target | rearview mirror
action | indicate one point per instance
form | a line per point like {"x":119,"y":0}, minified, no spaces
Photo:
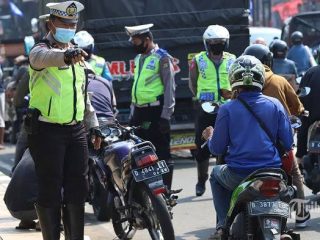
{"x":210,"y":107}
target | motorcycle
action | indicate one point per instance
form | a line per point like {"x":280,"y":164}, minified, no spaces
{"x":127,"y":183}
{"x":311,"y":161}
{"x":259,"y":206}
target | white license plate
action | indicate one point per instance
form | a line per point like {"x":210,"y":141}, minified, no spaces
{"x":154,"y":170}
{"x":279,"y":208}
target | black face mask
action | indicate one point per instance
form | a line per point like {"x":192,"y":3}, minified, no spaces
{"x":217,"y":48}
{"x":140,"y":48}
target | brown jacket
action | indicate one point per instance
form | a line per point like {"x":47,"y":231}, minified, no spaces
{"x":279,"y":88}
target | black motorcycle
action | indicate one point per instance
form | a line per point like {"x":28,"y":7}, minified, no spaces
{"x":127,"y":186}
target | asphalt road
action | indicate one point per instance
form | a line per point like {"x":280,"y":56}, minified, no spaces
{"x":194,"y":217}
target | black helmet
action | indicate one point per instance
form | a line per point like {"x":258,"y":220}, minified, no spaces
{"x":261,"y":52}
{"x":296,"y":37}
{"x":279,"y":48}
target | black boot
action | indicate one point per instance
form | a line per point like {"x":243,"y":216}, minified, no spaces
{"x":167,"y":178}
{"x":202,"y":168}
{"x":49,"y":219}
{"x":73,"y":221}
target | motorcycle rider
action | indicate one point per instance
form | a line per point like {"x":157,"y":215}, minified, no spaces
{"x":54,"y":122}
{"x":85,"y":41}
{"x":311,"y":103}
{"x":281,"y":65}
{"x":279,"y":88}
{"x":300,"y":54}
{"x":153,"y":93}
{"x":209,"y":82}
{"x":245,"y":152}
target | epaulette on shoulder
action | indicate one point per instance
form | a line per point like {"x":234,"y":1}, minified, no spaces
{"x":227,"y":54}
{"x":162,"y":53}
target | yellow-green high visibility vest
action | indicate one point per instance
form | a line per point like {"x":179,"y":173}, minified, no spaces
{"x":211,"y":79}
{"x":147,"y":85}
{"x":98,"y":64}
{"x":58,"y":93}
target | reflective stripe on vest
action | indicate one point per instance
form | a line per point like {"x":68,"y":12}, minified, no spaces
{"x":147,"y":85}
{"x":58,"y":93}
{"x":211,"y":79}
{"x":98,"y":64}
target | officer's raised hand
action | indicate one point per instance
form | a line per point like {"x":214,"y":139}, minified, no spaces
{"x":74,"y":55}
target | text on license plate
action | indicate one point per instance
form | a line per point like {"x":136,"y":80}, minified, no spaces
{"x":151,"y":171}
{"x":269,"y":208}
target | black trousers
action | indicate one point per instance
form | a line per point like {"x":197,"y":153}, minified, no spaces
{"x":151,"y":115}
{"x":60,"y":153}
{"x":203,"y":120}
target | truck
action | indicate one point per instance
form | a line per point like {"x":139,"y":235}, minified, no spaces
{"x":178,"y":28}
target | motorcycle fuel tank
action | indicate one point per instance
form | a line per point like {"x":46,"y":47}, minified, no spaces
{"x":114,"y":157}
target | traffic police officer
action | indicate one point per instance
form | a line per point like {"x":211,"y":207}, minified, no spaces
{"x":54,"y":122}
{"x":209,"y":82}
{"x":85,"y":41}
{"x":153,"y":92}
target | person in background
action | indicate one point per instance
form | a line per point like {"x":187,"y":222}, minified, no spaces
{"x":209,"y":82}
{"x":281,"y":65}
{"x":260,"y":40}
{"x":153,"y":93}
{"x":2,"y":110}
{"x":300,"y":53}
{"x":85,"y":41}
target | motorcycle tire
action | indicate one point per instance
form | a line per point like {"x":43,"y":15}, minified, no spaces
{"x":164,"y":229}
{"x":99,"y":198}
{"x":144,"y":195}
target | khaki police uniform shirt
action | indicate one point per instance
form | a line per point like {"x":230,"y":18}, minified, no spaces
{"x":167,"y":78}
{"x":41,"y":56}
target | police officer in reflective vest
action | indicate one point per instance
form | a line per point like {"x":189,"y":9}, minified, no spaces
{"x":55,"y":125}
{"x":153,"y":92}
{"x":85,"y":41}
{"x":209,"y":82}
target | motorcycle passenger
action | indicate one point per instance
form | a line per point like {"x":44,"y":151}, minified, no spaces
{"x":239,"y":135}
{"x":55,"y":124}
{"x":281,"y":65}
{"x":85,"y":41}
{"x":279,"y":88}
{"x":209,"y":82}
{"x":153,"y":93}
{"x":300,"y":54}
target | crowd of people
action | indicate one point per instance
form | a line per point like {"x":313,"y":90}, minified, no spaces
{"x":62,"y":88}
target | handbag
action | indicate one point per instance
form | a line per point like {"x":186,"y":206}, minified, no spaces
{"x":277,"y":144}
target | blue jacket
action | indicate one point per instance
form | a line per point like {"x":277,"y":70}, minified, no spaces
{"x":238,"y":134}
{"x":300,"y":54}
{"x":284,"y":66}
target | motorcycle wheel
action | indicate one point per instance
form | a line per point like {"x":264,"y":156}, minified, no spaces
{"x":157,"y":217}
{"x":98,"y":198}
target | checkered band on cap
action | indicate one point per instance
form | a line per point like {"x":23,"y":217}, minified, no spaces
{"x":60,"y":13}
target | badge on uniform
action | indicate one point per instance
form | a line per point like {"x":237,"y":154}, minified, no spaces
{"x":206,"y":96}
{"x":202,"y":64}
{"x":151,"y":65}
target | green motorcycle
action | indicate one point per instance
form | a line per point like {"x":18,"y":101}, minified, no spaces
{"x":259,"y":207}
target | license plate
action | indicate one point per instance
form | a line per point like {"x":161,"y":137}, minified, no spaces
{"x":157,"y":169}
{"x":269,"y":208}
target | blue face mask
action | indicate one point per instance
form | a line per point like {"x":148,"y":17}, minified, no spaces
{"x":64,"y":35}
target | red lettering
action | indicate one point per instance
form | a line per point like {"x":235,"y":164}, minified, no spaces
{"x":132,"y":67}
{"x":114,"y":68}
